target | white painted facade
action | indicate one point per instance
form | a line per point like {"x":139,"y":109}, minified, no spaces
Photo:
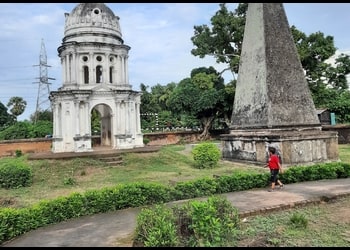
{"x":95,"y":76}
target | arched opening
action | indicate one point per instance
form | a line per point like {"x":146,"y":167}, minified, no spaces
{"x":101,"y":126}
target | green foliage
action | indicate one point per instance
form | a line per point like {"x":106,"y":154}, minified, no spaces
{"x":15,"y":173}
{"x":26,"y":129}
{"x":213,"y":223}
{"x":156,"y":227}
{"x":20,"y":130}
{"x":5,"y":118}
{"x":69,"y":181}
{"x":210,"y":223}
{"x":298,"y":220}
{"x":95,"y":122}
{"x":40,"y":129}
{"x":146,"y":140}
{"x":339,"y":103}
{"x":224,"y":39}
{"x":41,"y":115}
{"x":202,"y":96}
{"x":18,"y":153}
{"x":14,"y":222}
{"x":196,"y":188}
{"x":206,"y":155}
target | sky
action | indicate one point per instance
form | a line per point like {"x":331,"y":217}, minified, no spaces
{"x":159,"y":35}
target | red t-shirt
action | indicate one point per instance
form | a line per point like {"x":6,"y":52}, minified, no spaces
{"x":273,"y":162}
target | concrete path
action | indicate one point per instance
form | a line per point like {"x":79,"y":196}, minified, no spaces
{"x":117,"y":228}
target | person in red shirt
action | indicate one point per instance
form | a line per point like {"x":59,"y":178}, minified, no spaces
{"x":275,"y":168}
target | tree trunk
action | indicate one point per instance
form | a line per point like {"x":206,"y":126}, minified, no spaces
{"x":206,"y":123}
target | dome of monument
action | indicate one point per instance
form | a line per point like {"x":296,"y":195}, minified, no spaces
{"x":88,"y":19}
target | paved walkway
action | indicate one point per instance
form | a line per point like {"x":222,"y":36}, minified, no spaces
{"x":115,"y":229}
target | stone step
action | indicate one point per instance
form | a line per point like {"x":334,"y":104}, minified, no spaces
{"x":110,"y":158}
{"x":114,"y":163}
{"x":114,"y":160}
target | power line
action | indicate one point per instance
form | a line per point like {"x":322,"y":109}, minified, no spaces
{"x":15,"y":67}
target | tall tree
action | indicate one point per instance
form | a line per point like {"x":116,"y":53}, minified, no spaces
{"x":224,"y":38}
{"x":17,"y":105}
{"x":200,"y":95}
{"x":315,"y":52}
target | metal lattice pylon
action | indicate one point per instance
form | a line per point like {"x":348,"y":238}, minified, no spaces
{"x":42,"y":102}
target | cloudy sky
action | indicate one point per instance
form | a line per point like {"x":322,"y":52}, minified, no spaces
{"x":159,"y":36}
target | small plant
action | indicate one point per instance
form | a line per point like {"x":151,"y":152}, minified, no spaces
{"x":206,"y":155}
{"x":69,"y":181}
{"x":18,"y":153}
{"x":182,"y":141}
{"x":146,"y":140}
{"x":15,"y":173}
{"x":273,"y":241}
{"x":298,"y":220}
{"x":156,"y":227}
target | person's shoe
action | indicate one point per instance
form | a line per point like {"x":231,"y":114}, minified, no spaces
{"x":270,"y":190}
{"x":282,"y":186}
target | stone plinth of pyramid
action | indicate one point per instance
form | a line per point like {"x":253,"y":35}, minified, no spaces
{"x":273,"y":103}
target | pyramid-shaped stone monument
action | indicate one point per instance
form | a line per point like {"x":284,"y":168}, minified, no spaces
{"x":273,"y":103}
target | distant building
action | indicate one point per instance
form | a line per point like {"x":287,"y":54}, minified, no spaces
{"x":325,"y":117}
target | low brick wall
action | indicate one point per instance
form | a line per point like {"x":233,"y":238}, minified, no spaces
{"x":9,"y":147}
{"x":167,"y":138}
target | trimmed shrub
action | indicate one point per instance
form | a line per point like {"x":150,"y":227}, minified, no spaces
{"x":206,"y":155}
{"x":14,"y":173}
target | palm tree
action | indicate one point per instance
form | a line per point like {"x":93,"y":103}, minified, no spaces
{"x":17,"y":105}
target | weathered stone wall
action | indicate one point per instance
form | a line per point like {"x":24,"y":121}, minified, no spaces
{"x":297,"y":147}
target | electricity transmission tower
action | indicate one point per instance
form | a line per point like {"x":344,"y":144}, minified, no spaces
{"x":44,"y":88}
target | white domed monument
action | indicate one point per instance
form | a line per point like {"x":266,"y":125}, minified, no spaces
{"x":94,"y":63}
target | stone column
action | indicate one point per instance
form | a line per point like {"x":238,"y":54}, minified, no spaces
{"x":126,"y":70}
{"x":76,"y":116}
{"x":92,"y":75}
{"x":123,"y":69}
{"x":67,"y":68}
{"x":137,"y":113}
{"x":74,"y":68}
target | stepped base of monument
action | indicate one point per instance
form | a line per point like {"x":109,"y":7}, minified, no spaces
{"x":298,"y":146}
